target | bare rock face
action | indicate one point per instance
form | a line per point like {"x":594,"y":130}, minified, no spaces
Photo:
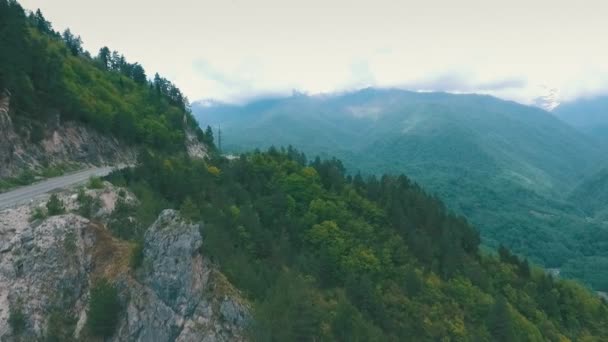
{"x":47,"y":268}
{"x":44,"y":270}
{"x":194,"y":147}
{"x":61,"y":143}
{"x":179,"y":296}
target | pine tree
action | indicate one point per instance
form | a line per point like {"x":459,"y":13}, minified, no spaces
{"x":500,"y":322}
{"x":104,"y":308}
{"x":55,"y":206}
{"x":105,"y":57}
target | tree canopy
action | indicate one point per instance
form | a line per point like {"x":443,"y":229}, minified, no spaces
{"x":50,"y":77}
{"x":324,"y":256}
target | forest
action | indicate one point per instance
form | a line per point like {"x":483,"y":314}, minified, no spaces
{"x":50,"y":78}
{"x":320,"y":254}
{"x":327,"y":256}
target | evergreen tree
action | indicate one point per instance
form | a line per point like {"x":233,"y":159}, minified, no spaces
{"x":104,"y":309}
{"x":41,"y":23}
{"x":500,"y":321}
{"x":105,"y":57}
{"x":74,"y":43}
{"x":55,"y":206}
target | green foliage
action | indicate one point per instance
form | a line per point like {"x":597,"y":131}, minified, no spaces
{"x":122,"y":223}
{"x":189,"y":210}
{"x":60,"y":327}
{"x":137,"y":255}
{"x":55,"y":206}
{"x":104,"y":309}
{"x":47,"y":73}
{"x":28,"y":177}
{"x":38,"y":214}
{"x":95,"y":183}
{"x":500,"y":322}
{"x":16,"y":319}
{"x":87,"y":205}
{"x":327,"y":257}
{"x":508,"y":168}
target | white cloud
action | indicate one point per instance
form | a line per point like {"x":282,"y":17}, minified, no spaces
{"x":235,"y":49}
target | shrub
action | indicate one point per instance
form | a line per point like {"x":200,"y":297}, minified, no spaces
{"x":87,"y":205}
{"x":95,"y":183}
{"x":189,"y":210}
{"x":16,"y":319}
{"x":104,"y":309}
{"x":60,"y":327}
{"x":137,"y":255}
{"x":55,"y":206}
{"x":38,"y":214}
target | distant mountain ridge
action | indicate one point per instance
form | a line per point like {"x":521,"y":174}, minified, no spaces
{"x":508,"y":167}
{"x":383,"y":115}
{"x":590,"y":115}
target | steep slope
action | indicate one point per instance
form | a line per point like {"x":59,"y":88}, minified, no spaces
{"x":326,"y":257}
{"x":592,"y":195}
{"x":69,"y":143}
{"x":590,"y":115}
{"x":49,"y":269}
{"x":486,"y":134}
{"x":59,"y":104}
{"x":506,"y":166}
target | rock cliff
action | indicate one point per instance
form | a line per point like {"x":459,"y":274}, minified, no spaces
{"x":47,"y":269}
{"x":57,"y":143}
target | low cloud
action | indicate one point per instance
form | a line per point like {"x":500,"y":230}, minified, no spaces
{"x":457,"y":82}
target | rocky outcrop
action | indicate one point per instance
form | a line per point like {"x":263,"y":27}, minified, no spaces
{"x":43,"y":270}
{"x":47,"y":268}
{"x":194,"y":147}
{"x":60,"y":143}
{"x":179,"y":296}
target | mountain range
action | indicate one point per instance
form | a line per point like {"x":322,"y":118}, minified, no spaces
{"x":184,"y":244}
{"x":589,"y":115}
{"x":509,"y":168}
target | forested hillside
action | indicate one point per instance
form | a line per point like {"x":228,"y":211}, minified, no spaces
{"x":508,"y":168}
{"x":50,"y":78}
{"x":324,"y":256}
{"x":590,"y":115}
{"x":319,"y":254}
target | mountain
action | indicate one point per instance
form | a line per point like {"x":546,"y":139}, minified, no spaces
{"x":523,"y":143}
{"x":53,"y":267}
{"x":592,"y":195}
{"x":327,"y":257}
{"x":60,"y":105}
{"x":549,"y":101}
{"x":590,"y":115}
{"x":263,"y":247}
{"x":505,"y":166}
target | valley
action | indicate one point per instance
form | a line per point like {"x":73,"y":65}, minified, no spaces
{"x":508,"y":168}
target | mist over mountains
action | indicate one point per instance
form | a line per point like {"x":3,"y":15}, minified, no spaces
{"x":589,"y":115}
{"x":507,"y":167}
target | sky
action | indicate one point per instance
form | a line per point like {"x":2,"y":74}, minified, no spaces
{"x":233,"y":50}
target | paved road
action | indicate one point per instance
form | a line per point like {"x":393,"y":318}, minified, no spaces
{"x":26,"y":193}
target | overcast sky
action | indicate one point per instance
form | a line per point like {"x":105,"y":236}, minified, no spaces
{"x":231,"y":50}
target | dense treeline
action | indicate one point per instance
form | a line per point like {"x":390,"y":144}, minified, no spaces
{"x":325,"y":256}
{"x":504,"y":166}
{"x":50,"y":78}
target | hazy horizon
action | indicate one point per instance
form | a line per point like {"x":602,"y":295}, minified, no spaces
{"x":232,"y":51}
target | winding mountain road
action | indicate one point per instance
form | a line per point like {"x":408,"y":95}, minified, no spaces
{"x":26,"y":193}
